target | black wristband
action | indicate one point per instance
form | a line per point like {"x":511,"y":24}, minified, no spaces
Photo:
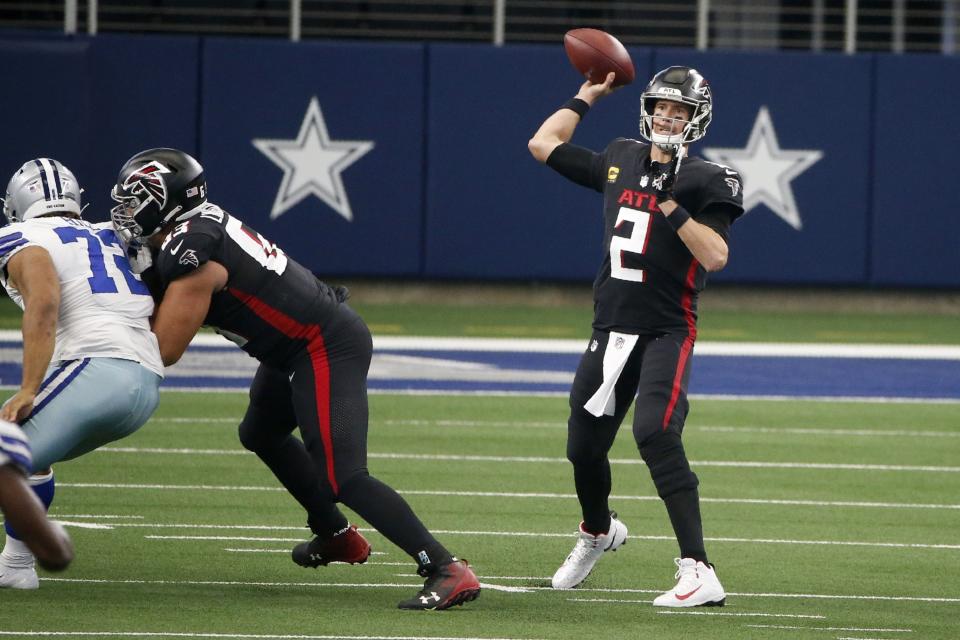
{"x":678,"y":217}
{"x":578,"y":106}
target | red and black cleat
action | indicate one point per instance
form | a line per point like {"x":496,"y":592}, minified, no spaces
{"x":448,"y":586}
{"x":346,"y":545}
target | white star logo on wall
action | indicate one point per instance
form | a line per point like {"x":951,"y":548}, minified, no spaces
{"x":312,"y":164}
{"x":766,"y":169}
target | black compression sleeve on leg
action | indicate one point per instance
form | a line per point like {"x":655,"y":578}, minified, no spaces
{"x":683,"y":508}
{"x":668,"y":464}
{"x":293,"y":467}
{"x":390,"y":514}
{"x":677,"y":487}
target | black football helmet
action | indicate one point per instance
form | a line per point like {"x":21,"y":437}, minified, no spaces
{"x":679,"y":84}
{"x":156,"y":187}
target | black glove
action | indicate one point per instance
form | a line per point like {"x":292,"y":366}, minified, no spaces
{"x":665,"y":182}
{"x":341,"y":293}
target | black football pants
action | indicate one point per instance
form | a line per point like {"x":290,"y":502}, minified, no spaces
{"x":324,"y":392}
{"x":656,"y":374}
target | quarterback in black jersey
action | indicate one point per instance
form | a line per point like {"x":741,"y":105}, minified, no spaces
{"x":666,"y":223}
{"x":209,"y":268}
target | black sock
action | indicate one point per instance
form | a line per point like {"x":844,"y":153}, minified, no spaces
{"x":593,"y":488}
{"x":684,"y":510}
{"x":390,"y":514}
{"x":294,"y":468}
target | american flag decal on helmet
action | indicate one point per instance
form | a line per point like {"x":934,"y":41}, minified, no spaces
{"x":147,"y":182}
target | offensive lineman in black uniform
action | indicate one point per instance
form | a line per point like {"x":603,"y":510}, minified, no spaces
{"x":666,"y":225}
{"x":314,"y":353}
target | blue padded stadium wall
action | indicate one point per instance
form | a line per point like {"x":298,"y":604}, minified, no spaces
{"x":410,"y":160}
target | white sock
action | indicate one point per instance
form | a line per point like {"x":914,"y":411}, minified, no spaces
{"x":16,"y":554}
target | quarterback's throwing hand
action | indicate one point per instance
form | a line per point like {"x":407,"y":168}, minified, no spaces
{"x":591,"y":92}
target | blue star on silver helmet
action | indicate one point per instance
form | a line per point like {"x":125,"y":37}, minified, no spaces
{"x":41,"y":187}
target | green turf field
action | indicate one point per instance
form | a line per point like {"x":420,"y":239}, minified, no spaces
{"x":825,"y":521}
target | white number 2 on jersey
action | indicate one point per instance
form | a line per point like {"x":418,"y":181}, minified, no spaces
{"x":636,"y":242}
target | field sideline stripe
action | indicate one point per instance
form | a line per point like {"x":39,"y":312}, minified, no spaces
{"x":534,"y":534}
{"x":170,"y":386}
{"x":536,"y":495}
{"x":377,"y":585}
{"x":515,"y":459}
{"x":561,"y":425}
{"x":576,"y":346}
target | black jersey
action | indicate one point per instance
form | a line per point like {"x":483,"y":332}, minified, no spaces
{"x":649,"y":281}
{"x":271,"y":306}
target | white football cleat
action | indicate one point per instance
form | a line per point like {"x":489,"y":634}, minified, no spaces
{"x":587,"y":551}
{"x":698,"y":586}
{"x":18,"y":577}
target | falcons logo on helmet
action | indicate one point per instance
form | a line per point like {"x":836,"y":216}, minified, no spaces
{"x":146,"y":182}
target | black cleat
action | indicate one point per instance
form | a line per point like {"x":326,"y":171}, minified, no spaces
{"x":346,"y":545}
{"x":448,"y":586}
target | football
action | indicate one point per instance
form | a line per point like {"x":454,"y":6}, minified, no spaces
{"x":596,"y":53}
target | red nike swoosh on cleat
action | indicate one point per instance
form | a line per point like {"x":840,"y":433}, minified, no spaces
{"x":684,"y":596}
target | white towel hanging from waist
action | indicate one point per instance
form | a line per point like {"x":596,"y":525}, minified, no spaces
{"x":619,"y":347}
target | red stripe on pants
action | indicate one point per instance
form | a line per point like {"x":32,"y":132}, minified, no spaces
{"x":318,"y":360}
{"x":686,"y":302}
{"x":321,"y":378}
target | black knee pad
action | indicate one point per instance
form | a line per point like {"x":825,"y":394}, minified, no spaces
{"x":668,"y":464}
{"x":589,"y":438}
{"x":254,"y":438}
{"x":351,"y":483}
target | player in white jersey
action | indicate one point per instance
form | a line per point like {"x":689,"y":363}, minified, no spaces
{"x":91,"y":366}
{"x":21,"y":507}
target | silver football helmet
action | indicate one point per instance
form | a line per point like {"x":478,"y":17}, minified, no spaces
{"x":41,"y":187}
{"x":679,"y":84}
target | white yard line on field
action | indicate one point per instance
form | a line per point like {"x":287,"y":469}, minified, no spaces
{"x":688,"y":612}
{"x":170,"y":386}
{"x":533,"y":495}
{"x":532,"y":534}
{"x":809,"y":431}
{"x":417,"y":585}
{"x":575,"y":346}
{"x":756,"y":501}
{"x":164,"y":487}
{"x":227,"y":583}
{"x":557,"y":424}
{"x":564,"y":461}
{"x":95,"y":516}
{"x":777,"y":626}
{"x":247,"y":636}
{"x":191,"y":420}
